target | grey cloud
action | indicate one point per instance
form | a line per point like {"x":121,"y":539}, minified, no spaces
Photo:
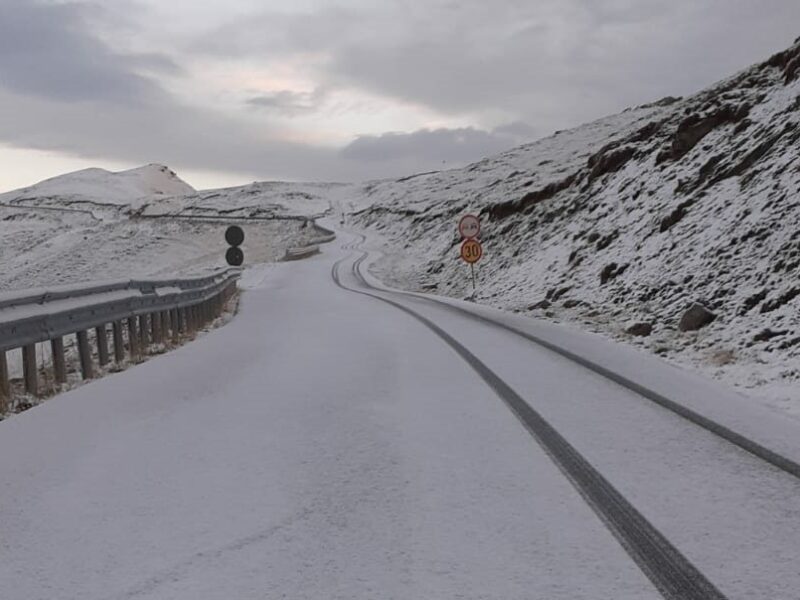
{"x":64,"y":89}
{"x":554,"y":63}
{"x":277,"y":33}
{"x":518,"y":130}
{"x":437,"y":146}
{"x":185,"y":137}
{"x":287,"y":102}
{"x":152,"y":62}
{"x":46,"y":50}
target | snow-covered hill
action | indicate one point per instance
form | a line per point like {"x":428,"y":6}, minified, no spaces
{"x":266,"y":199}
{"x":98,"y":186}
{"x":632,"y":219}
{"x":94,"y":224}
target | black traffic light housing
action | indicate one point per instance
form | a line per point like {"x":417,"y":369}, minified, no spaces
{"x":234,"y":236}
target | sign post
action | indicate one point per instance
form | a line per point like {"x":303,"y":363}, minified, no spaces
{"x":471,"y":250}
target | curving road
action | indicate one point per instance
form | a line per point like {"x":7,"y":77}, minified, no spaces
{"x":339,"y":440}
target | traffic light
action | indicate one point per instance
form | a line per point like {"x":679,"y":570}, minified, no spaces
{"x":234,"y":236}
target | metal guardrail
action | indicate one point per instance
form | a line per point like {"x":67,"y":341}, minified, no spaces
{"x":328,"y":235}
{"x":301,"y":252}
{"x":152,"y":309}
{"x":312,"y":247}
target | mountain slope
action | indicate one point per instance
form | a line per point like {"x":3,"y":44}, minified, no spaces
{"x":99,"y":186}
{"x":86,"y":226}
{"x":634,"y":218}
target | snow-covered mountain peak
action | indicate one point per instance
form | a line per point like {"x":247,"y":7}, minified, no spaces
{"x":106,"y":187}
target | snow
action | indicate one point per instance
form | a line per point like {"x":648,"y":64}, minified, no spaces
{"x":104,"y":187}
{"x":552,"y":224}
{"x":724,"y":509}
{"x":54,"y":240}
{"x":304,"y":451}
{"x":268,"y":199}
{"x":325,"y":444}
{"x":708,"y":398}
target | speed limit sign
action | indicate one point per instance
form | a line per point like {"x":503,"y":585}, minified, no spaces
{"x":471,"y":251}
{"x":469,"y":226}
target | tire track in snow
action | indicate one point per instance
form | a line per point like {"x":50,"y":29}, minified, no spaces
{"x":737,"y":439}
{"x":671,"y":573}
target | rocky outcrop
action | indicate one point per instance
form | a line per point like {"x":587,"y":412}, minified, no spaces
{"x":697,"y":126}
{"x":696,"y":317}
{"x":639,"y":329}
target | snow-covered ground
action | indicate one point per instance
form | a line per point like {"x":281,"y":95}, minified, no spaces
{"x":627,"y":220}
{"x":98,"y":186}
{"x":632,"y":218}
{"x":327,"y":445}
{"x":258,"y":199}
{"x":94,"y":225}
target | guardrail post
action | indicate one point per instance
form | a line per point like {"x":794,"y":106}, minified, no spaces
{"x":175,"y":320}
{"x":29,"y":369}
{"x":133,"y":337}
{"x":5,"y":388}
{"x":85,"y":354}
{"x":59,"y":367}
{"x":155,"y":321}
{"x":143,"y":333}
{"x":154,"y":317}
{"x":102,"y":344}
{"x":119,"y":344}
{"x":166,"y":324}
{"x":189,"y":316}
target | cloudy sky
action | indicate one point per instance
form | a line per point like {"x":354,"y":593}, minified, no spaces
{"x":231,"y":91}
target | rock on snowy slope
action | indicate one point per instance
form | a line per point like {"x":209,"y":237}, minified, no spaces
{"x":638,"y":214}
{"x":696,"y":317}
{"x":98,"y":186}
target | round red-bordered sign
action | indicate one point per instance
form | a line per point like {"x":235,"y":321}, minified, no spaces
{"x":471,"y":251}
{"x":469,"y":227}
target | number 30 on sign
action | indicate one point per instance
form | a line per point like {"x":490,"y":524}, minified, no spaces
{"x":471,"y":251}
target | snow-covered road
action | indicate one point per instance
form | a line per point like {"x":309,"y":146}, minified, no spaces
{"x":327,"y":444}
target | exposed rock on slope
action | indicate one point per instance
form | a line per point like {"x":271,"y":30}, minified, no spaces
{"x":638,"y":216}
